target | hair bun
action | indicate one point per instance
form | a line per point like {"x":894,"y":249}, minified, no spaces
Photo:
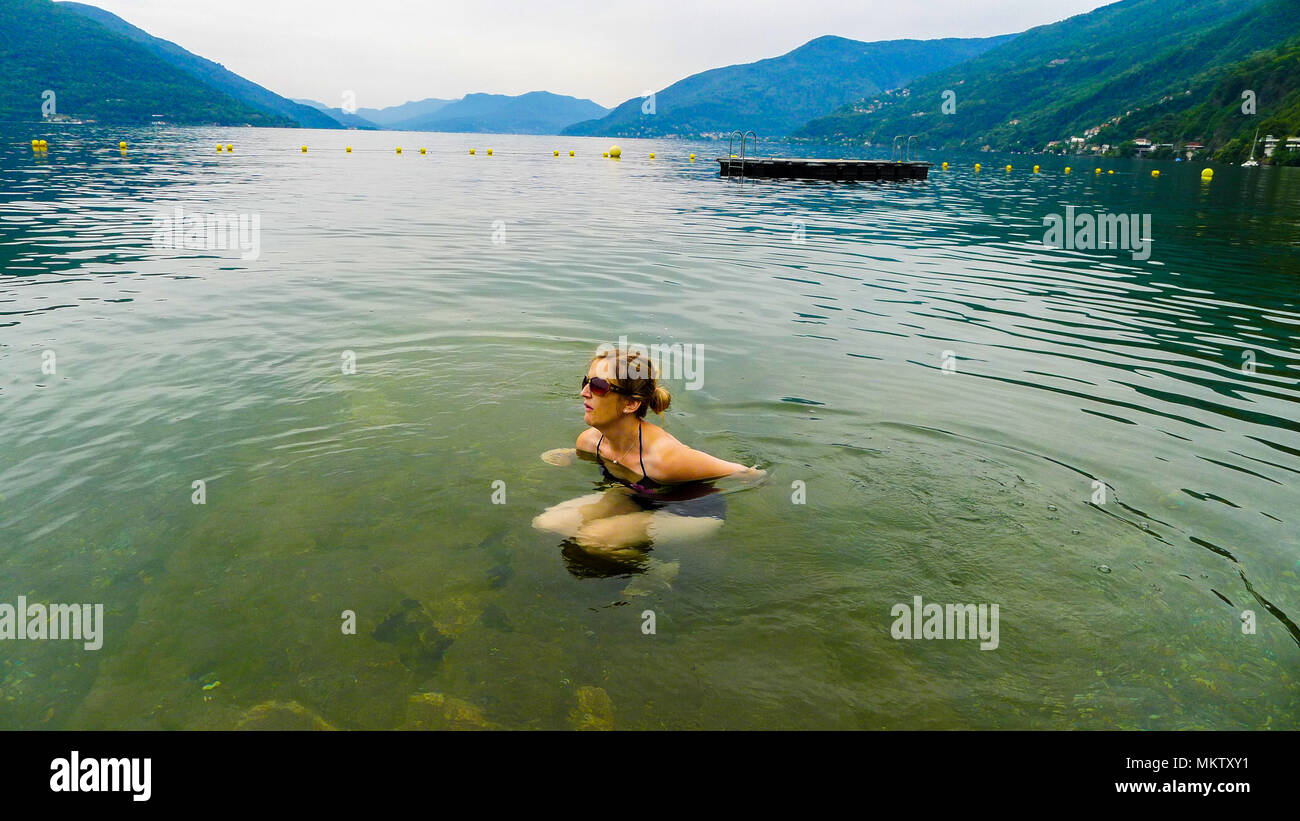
{"x":661,"y":399}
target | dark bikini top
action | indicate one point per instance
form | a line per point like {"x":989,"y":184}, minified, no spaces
{"x":646,"y":485}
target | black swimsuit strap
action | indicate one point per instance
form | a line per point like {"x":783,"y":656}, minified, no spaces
{"x":639,"y":455}
{"x":641,"y":458}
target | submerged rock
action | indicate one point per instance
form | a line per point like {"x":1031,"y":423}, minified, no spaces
{"x":435,"y":711}
{"x":420,"y":644}
{"x":595,"y":710}
{"x":495,"y":618}
{"x":281,"y":715}
{"x":658,"y":577}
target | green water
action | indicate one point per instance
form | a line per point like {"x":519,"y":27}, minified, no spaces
{"x":823,"y":362}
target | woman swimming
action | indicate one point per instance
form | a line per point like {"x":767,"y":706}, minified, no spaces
{"x":661,"y":493}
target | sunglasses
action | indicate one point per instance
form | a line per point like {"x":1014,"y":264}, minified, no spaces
{"x":599,"y":386}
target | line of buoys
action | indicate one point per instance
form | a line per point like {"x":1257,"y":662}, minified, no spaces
{"x":40,"y":146}
{"x":1206,"y":174}
{"x":615,"y":152}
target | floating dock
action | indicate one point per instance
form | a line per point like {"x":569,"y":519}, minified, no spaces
{"x":796,"y":168}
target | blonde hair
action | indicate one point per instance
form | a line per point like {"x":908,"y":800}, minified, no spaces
{"x":635,"y":377}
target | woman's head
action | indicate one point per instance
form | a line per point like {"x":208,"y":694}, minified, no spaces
{"x":633,"y":387}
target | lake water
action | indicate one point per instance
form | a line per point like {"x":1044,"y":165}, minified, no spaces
{"x":1103,"y":446}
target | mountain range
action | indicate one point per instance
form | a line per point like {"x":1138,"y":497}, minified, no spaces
{"x":778,"y":95}
{"x":97,"y":70}
{"x":1092,"y":76}
{"x":1172,"y":71}
{"x":537,"y":112}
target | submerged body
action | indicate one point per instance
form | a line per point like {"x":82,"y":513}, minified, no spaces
{"x":667,"y":499}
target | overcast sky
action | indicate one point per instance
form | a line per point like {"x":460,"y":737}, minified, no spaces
{"x":390,"y":51}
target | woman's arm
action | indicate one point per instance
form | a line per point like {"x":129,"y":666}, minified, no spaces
{"x":560,"y":456}
{"x":567,"y":456}
{"x":684,"y":464}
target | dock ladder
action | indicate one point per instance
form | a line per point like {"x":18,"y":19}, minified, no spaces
{"x":743,"y":139}
{"x":904,"y":154}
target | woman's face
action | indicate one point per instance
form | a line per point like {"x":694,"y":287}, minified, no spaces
{"x":602,"y":410}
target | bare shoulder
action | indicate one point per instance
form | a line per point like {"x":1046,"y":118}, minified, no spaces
{"x":667,"y":459}
{"x":588,"y":439}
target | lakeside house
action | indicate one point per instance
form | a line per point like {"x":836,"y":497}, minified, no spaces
{"x":1270,"y":143}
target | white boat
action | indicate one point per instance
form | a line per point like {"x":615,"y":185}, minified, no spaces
{"x":1252,"y":162}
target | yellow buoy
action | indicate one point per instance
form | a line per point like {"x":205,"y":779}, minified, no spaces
{"x":230,"y":149}
{"x":423,"y":151}
{"x":570,"y":153}
{"x":1067,"y":169}
{"x":36,"y":145}
{"x":399,"y":149}
{"x":1155,"y":173}
{"x":1008,"y":168}
{"x":348,"y":149}
{"x":945,"y":165}
{"x":304,"y":149}
{"x":45,"y":146}
{"x":1035,"y":169}
{"x":604,"y":153}
{"x":1207,"y":174}
{"x":122,"y":144}
{"x":557,"y":152}
{"x":615,"y":151}
{"x":471,"y":151}
{"x":1111,"y":171}
{"x":652,"y":155}
{"x":977,"y":166}
{"x":1098,"y":171}
{"x":489,"y":152}
{"x":692,"y":158}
